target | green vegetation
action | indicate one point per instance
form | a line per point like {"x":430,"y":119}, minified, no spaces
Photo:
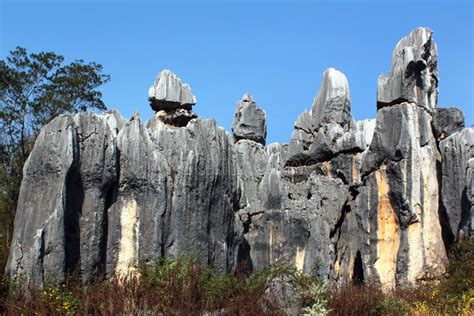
{"x":183,"y":287}
{"x":34,"y":88}
{"x":180,"y":286}
{"x":451,"y":295}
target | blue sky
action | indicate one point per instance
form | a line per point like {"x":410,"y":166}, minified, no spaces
{"x":276,"y":50}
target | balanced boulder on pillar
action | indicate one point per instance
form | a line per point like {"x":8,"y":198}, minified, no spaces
{"x":171,"y":99}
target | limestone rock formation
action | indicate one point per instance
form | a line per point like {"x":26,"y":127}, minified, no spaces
{"x":458,"y":184}
{"x":171,"y":100}
{"x":447,"y":121}
{"x":397,"y":204}
{"x":100,"y":194}
{"x":286,"y":217}
{"x":374,"y":200}
{"x":407,"y":245}
{"x":62,"y":206}
{"x":414,"y":73}
{"x":168,"y":93}
{"x":333,"y":102}
{"x":329,"y":128}
{"x":249,"y":121}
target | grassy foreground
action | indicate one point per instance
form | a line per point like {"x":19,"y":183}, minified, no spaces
{"x":183,"y":287}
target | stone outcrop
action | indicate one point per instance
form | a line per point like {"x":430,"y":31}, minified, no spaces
{"x":171,"y":100}
{"x":400,"y":234}
{"x":249,"y":121}
{"x":168,"y":93}
{"x":63,"y":200}
{"x":374,"y":200}
{"x":114,"y":192}
{"x":447,"y":121}
{"x":458,"y":184}
{"x":414,"y":74}
{"x":328,"y":129}
{"x":401,"y":191}
{"x":333,"y":102}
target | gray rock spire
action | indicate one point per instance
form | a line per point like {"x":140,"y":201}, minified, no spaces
{"x":333,"y":101}
{"x":249,"y":121}
{"x":414,"y":73}
{"x":457,"y":189}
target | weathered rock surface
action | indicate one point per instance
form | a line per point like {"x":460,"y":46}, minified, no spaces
{"x":414,"y":73}
{"x":333,"y":102}
{"x":171,"y":100}
{"x":395,"y":212}
{"x":374,"y":200}
{"x":176,"y":118}
{"x":329,"y":128}
{"x":447,"y":122}
{"x":112,"y":193}
{"x":401,"y":193}
{"x":59,"y":224}
{"x":168,"y":93}
{"x":458,"y":184}
{"x":249,"y":121}
{"x":285,"y":218}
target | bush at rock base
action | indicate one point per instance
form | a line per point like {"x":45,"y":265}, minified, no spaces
{"x":168,"y":286}
{"x":182,"y":287}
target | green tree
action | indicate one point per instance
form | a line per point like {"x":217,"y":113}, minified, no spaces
{"x":34,"y":88}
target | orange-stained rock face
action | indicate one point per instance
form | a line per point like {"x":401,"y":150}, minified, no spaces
{"x":408,"y":244}
{"x":388,"y":233}
{"x":327,"y":168}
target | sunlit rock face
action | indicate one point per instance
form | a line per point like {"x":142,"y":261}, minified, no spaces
{"x":328,"y":129}
{"x":400,"y":175}
{"x":249,"y":121}
{"x":143,"y":197}
{"x":347,"y":201}
{"x":60,"y":222}
{"x":400,"y":189}
{"x":168,"y":93}
{"x":414,"y":73}
{"x":171,"y":100}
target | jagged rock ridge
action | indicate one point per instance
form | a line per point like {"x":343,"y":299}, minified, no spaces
{"x":376,"y":200}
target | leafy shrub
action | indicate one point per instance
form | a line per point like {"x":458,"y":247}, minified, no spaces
{"x":318,"y":299}
{"x":454,"y":293}
{"x":60,"y":299}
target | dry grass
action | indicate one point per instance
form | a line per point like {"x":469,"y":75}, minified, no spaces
{"x":180,"y":287}
{"x":451,"y":295}
{"x":183,"y":287}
